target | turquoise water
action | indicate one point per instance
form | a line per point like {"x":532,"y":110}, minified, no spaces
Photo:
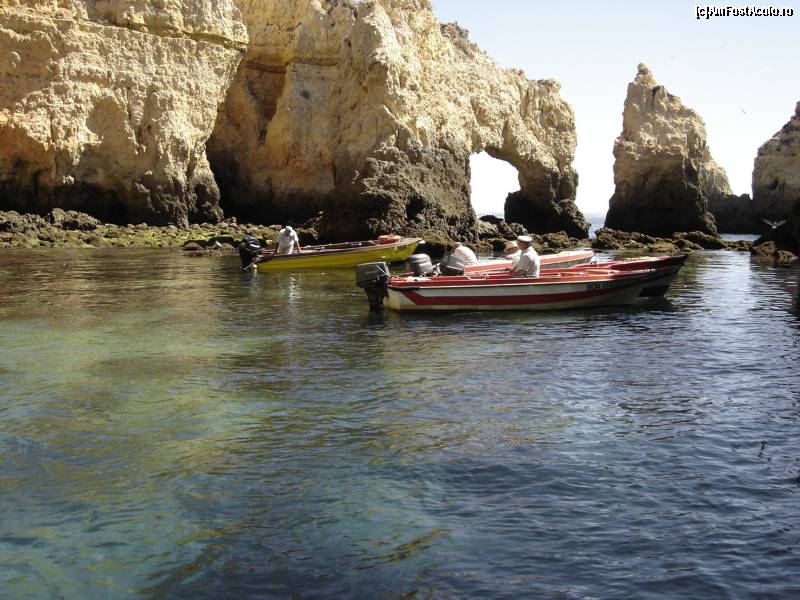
{"x":173,"y":428}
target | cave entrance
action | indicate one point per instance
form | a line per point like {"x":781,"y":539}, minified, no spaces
{"x":491,"y":180}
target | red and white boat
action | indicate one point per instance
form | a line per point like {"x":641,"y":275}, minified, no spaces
{"x":585,"y":286}
{"x":554,"y":291}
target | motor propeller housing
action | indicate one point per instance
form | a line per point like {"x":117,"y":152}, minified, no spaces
{"x":373,"y":278}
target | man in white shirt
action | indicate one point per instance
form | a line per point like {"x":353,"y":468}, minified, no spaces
{"x":512,"y":252}
{"x":286,"y":241}
{"x":529,"y":262}
{"x":466,"y":254}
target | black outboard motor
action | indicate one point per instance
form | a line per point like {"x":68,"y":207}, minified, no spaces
{"x":372,"y":278}
{"x":420,"y":265}
{"x":249,"y":250}
{"x":452,"y":264}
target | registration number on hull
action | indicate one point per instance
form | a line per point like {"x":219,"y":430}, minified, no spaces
{"x":604,"y":285}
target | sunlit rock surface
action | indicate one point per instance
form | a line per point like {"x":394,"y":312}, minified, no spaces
{"x":106,"y":106}
{"x":370,"y":110}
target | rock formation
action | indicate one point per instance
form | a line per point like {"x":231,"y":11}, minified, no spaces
{"x":734,"y":214}
{"x":663,"y":172}
{"x":367,"y":110}
{"x":776,"y":185}
{"x":106,"y":106}
{"x":370,"y":110}
{"x":776,"y":172}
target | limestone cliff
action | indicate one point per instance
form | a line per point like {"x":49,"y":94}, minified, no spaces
{"x":370,"y":111}
{"x":106,"y":106}
{"x":776,"y":173}
{"x":663,"y":172}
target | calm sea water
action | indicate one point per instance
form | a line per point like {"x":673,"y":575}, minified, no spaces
{"x":173,"y":428}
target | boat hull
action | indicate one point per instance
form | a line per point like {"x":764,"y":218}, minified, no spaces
{"x":338,"y":259}
{"x":540,"y":294}
{"x":666,"y":266}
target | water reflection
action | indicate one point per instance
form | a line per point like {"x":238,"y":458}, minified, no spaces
{"x":174,"y":427}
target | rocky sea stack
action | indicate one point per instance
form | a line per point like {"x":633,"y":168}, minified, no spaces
{"x":776,"y":172}
{"x":663,"y":172}
{"x":776,"y":185}
{"x":271,"y":111}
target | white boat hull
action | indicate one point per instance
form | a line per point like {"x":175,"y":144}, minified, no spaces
{"x":527,"y":294}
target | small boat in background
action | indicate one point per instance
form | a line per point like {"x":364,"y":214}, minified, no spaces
{"x":387,"y":248}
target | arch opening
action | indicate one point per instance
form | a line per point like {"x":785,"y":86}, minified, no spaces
{"x":491,"y":181}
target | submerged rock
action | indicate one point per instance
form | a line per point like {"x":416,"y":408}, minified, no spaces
{"x":663,"y":170}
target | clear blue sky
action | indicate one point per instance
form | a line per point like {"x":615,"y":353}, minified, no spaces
{"x":741,"y":74}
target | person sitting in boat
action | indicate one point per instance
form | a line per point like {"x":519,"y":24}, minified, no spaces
{"x":466,"y":254}
{"x":287,"y":241}
{"x":529,"y":262}
{"x":512,"y":252}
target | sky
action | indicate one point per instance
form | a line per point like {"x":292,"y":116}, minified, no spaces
{"x":740,"y":74}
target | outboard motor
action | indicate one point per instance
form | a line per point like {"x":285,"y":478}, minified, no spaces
{"x":420,"y":265}
{"x":452,"y":264}
{"x":372,"y":278}
{"x":249,"y":250}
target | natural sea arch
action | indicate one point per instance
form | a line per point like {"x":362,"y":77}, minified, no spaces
{"x":491,"y":180}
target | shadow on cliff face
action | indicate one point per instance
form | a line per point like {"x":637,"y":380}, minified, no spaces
{"x":93,"y":200}
{"x":661,"y":202}
{"x":407,"y":190}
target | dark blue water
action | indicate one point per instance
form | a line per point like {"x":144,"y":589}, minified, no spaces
{"x":172,"y":428}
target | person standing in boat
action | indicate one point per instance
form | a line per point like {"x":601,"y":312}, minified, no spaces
{"x":529,"y":262}
{"x":287,"y":241}
{"x":466,"y":254}
{"x":512,"y":252}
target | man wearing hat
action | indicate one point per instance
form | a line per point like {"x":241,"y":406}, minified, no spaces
{"x":466,"y":254}
{"x":512,"y":252}
{"x":529,"y":262}
{"x":286,"y":241}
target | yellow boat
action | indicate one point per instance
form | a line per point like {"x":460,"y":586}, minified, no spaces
{"x":331,"y":256}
